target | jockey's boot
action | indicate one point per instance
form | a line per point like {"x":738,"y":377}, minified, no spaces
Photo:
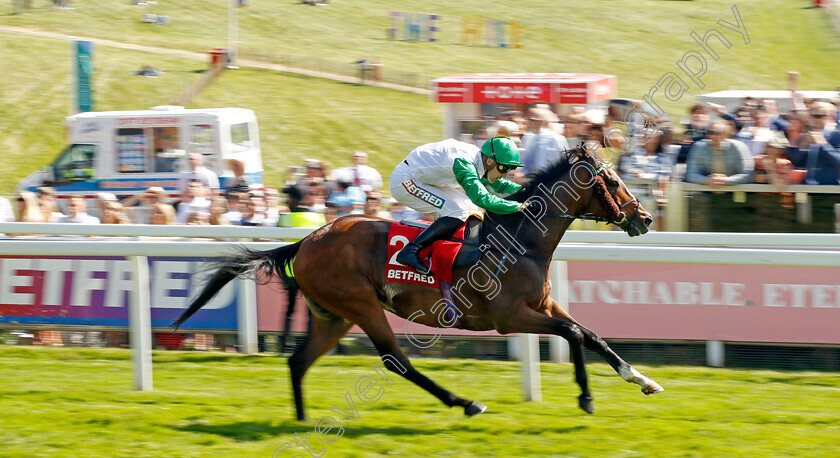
{"x":443,"y":227}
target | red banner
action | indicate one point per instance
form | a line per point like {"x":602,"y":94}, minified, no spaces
{"x":571,"y":93}
{"x":576,"y":88}
{"x":511,"y":93}
{"x":453,"y":92}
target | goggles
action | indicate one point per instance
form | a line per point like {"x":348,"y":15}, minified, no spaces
{"x":505,"y":168}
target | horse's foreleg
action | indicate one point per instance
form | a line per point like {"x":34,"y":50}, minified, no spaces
{"x":625,"y":370}
{"x":324,"y":336}
{"x":379,"y":331}
{"x":596,"y":344}
{"x":532,"y":322}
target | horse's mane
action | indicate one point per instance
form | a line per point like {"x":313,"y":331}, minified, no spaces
{"x":547,"y":175}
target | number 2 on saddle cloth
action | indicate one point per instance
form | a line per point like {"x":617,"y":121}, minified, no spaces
{"x":442,"y":258}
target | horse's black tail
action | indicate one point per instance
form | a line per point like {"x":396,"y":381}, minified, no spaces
{"x":244,"y":262}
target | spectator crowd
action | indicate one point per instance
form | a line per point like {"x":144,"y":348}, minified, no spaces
{"x":314,"y":195}
{"x":755,"y":143}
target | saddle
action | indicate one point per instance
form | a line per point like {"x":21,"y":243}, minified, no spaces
{"x":469,"y":253}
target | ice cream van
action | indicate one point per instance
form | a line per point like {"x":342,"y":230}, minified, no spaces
{"x":126,"y":152}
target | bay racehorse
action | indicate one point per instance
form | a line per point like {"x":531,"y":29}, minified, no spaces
{"x":340,"y":268}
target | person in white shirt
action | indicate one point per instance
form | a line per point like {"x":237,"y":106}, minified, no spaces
{"x":198,"y":172}
{"x":545,"y":145}
{"x":77,"y":212}
{"x":250,"y":214}
{"x":429,"y":179}
{"x":360,"y":174}
{"x":272,"y":206}
{"x":195,"y":201}
{"x":233,"y":204}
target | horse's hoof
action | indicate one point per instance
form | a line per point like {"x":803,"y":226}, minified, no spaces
{"x":586,"y":404}
{"x":652,"y":388}
{"x":474,"y":408}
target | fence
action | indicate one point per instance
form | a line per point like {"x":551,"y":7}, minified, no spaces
{"x":817,"y":253}
{"x":800,"y":214}
{"x":383,"y":72}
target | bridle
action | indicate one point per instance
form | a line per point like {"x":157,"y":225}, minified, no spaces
{"x":586,"y":215}
{"x":589,"y":216}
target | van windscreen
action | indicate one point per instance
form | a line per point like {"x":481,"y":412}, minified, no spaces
{"x":239,"y":135}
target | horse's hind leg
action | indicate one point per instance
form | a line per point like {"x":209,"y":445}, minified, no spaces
{"x":324,"y":336}
{"x":596,"y":344}
{"x":379,"y":331}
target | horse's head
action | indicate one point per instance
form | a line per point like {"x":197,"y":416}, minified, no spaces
{"x":609,"y":199}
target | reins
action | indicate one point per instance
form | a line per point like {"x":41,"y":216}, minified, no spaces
{"x":586,"y":216}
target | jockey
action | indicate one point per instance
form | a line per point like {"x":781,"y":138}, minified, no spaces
{"x":428,"y":178}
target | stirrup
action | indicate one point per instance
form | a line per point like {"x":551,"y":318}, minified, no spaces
{"x":411,"y":259}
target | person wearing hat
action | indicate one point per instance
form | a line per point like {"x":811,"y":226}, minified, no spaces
{"x":427,"y":180}
{"x":774,"y":167}
{"x":299,"y":215}
{"x":142,"y":214}
{"x":349,"y":198}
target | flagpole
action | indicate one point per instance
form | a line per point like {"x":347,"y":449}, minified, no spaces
{"x":72,"y":86}
{"x":232,"y":32}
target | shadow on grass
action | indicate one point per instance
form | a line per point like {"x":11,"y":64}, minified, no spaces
{"x":249,"y":431}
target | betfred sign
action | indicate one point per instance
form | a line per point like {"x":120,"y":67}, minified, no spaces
{"x":575,"y":88}
{"x":96,"y":291}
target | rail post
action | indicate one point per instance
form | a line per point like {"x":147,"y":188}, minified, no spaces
{"x":246,"y":314}
{"x":529,"y":351}
{"x":140,"y":323}
{"x":558,"y":347}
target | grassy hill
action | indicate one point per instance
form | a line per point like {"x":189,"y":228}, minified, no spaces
{"x":303,"y":117}
{"x":299,"y":116}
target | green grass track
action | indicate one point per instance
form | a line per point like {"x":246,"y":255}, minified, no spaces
{"x":78,"y":402}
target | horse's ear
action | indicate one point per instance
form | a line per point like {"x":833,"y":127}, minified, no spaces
{"x":578,"y":153}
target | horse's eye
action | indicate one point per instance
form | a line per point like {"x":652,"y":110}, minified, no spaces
{"x":613,"y":185}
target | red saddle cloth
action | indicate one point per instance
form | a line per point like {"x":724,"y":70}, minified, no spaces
{"x":443,"y":254}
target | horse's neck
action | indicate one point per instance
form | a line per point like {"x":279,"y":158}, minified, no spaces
{"x":542,"y":245}
{"x":539,"y":236}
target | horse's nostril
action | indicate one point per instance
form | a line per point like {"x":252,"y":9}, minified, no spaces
{"x":648,"y":220}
